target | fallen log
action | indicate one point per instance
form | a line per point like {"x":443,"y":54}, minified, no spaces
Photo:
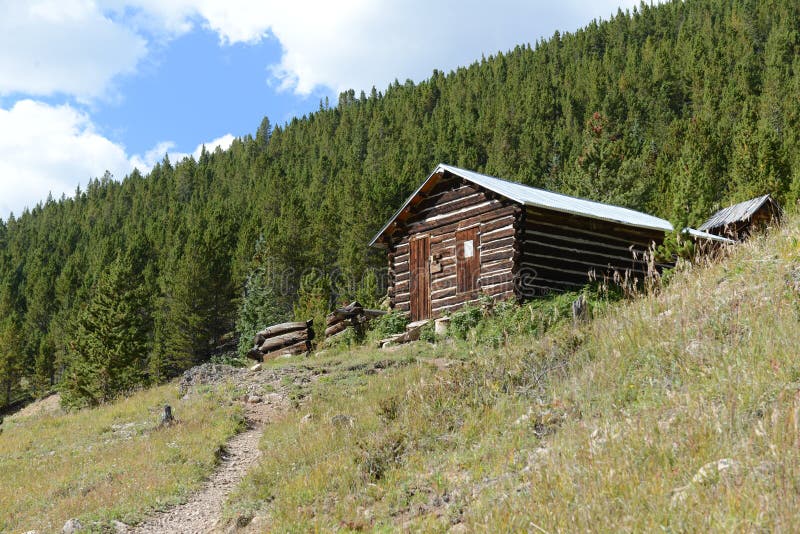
{"x":336,"y":328}
{"x":334,"y":318}
{"x":279,"y":329}
{"x":291,"y":350}
{"x":284,"y":340}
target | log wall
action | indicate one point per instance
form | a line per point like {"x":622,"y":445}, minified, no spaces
{"x":559,"y":251}
{"x":451,"y":206}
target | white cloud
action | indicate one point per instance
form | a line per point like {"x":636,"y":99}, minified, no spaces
{"x":63,"y":46}
{"x":368,"y":43}
{"x":50,"y":149}
{"x":156,"y":154}
{"x":360,"y":43}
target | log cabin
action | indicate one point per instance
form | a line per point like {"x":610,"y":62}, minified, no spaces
{"x":740,"y":220}
{"x":461,"y":235}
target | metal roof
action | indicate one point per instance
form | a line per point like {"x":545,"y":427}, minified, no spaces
{"x":705,"y":235}
{"x":736,"y":213}
{"x":531,"y":196}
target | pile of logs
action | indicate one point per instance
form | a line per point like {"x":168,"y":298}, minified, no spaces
{"x":353,"y":315}
{"x":282,"y":339}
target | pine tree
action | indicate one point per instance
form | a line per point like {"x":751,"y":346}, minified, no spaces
{"x":263,"y":303}
{"x":314,"y":301}
{"x":110,"y":347}
{"x":12,"y":351}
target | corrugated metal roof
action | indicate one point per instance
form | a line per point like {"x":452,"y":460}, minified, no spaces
{"x":531,"y":196}
{"x":705,"y":235}
{"x":736,"y":213}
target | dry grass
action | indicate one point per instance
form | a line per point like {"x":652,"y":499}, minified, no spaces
{"x":111,"y":462}
{"x":678,"y":411}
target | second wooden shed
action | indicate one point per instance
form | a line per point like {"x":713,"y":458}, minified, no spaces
{"x":742,"y":219}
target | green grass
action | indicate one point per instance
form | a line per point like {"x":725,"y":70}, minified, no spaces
{"x":605,"y":426}
{"x":109,"y":463}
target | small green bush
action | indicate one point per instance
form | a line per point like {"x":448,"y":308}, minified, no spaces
{"x":392,"y":323}
{"x":464,"y":320}
{"x":428,"y":332}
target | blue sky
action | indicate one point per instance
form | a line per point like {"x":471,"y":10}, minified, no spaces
{"x":93,"y":85}
{"x":193,"y":90}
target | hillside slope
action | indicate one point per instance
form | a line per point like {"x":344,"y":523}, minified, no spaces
{"x":678,"y":410}
{"x":675,"y":410}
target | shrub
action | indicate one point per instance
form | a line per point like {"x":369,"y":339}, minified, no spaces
{"x":428,"y":332}
{"x":379,"y":453}
{"x":392,"y":323}
{"x":464,"y":320}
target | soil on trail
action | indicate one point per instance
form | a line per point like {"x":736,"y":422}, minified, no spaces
{"x":203,"y":511}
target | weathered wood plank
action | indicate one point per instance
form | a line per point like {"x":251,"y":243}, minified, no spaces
{"x":567,"y":238}
{"x":504,"y":231}
{"x":533,"y":240}
{"x":496,"y":289}
{"x":292,"y":350}
{"x":498,"y":254}
{"x":491,"y":225}
{"x":497,"y":265}
{"x":449,"y":207}
{"x":278,"y":329}
{"x":498,"y":277}
{"x":444,"y":197}
{"x":473,"y":215}
{"x":580,"y":261}
{"x":283,"y":340}
{"x":496,"y":244}
{"x":620,"y":234}
{"x":502,"y":213}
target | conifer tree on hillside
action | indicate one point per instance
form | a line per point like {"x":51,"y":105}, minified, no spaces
{"x":265,"y":301}
{"x":12,"y":350}
{"x":109,"y":350}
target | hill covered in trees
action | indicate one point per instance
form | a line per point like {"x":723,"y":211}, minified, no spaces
{"x":673,"y":109}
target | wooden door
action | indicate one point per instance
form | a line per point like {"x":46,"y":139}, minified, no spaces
{"x":420,"y":286}
{"x":468,"y":263}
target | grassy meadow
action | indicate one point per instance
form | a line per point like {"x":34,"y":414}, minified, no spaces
{"x":109,"y":463}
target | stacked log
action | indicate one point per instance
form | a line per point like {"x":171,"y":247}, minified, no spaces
{"x":354,"y":315}
{"x":282,"y":339}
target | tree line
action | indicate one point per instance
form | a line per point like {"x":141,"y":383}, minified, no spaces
{"x":674,"y":109}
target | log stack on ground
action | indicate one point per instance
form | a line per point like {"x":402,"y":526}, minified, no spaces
{"x":354,"y":315}
{"x":285,"y":339}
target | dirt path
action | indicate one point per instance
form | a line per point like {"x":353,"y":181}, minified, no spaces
{"x":203,"y":511}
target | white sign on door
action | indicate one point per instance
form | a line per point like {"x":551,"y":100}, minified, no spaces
{"x":468,"y":249}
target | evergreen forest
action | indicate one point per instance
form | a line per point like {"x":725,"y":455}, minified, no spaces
{"x":674,"y":109}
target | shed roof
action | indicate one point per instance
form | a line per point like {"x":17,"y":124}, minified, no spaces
{"x":531,"y":196}
{"x":737,"y":213}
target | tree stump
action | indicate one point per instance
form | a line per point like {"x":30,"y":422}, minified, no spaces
{"x":167,"y":417}
{"x":580,"y":310}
